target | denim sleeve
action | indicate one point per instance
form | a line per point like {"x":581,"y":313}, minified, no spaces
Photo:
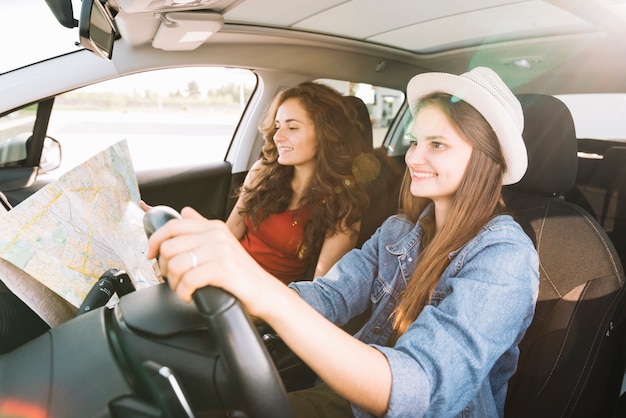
{"x":345,"y":290}
{"x":447,"y":354}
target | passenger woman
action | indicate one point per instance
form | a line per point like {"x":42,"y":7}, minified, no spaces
{"x":301,"y":202}
{"x":299,"y":209}
{"x":451,"y":281}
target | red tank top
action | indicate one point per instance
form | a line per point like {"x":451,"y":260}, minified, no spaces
{"x":274,"y":244}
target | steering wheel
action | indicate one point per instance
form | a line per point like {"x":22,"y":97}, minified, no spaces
{"x":245,"y":356}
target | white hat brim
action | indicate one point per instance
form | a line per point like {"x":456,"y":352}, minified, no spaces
{"x":508,"y":132}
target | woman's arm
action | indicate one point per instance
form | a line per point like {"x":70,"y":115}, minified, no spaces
{"x":335,"y":247}
{"x":353,"y":369}
{"x":236,"y":221}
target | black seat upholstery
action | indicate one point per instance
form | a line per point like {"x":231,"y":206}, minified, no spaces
{"x":615,"y":169}
{"x":375,"y":185}
{"x":18,"y":323}
{"x":614,"y":206}
{"x":572,"y":356}
{"x":363,"y":116}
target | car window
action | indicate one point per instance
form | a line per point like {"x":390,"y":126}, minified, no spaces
{"x":598,"y":116}
{"x":48,"y":40}
{"x":170,"y":118}
{"x":382,"y":103}
{"x":15,"y":129}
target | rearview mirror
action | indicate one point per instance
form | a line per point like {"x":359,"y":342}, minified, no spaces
{"x":96,"y":28}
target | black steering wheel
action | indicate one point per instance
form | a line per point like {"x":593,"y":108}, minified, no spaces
{"x":249,"y":364}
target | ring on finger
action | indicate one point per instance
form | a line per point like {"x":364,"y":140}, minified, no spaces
{"x":194,"y":260}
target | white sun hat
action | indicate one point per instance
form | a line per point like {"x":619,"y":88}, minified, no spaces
{"x":487,"y":93}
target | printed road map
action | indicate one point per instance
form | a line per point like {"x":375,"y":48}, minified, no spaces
{"x":71,"y":231}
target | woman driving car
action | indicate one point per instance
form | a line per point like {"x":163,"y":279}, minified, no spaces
{"x":451,"y":281}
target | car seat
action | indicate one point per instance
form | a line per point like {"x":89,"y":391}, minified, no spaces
{"x":18,"y":323}
{"x":376,"y":186}
{"x":572,"y":356}
{"x":614,"y":166}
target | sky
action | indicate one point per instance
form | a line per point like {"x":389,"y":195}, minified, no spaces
{"x":30,"y":33}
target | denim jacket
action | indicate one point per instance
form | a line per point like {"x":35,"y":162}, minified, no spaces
{"x":458,"y":355}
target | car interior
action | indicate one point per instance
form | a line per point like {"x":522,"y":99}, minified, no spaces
{"x":164,"y":358}
{"x":568,"y":367}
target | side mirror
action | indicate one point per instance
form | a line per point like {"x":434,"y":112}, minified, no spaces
{"x":14,"y":174}
{"x":50,"y":155}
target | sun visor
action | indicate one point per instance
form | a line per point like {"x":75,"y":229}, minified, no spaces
{"x":185,"y":31}
{"x":142,"y":6}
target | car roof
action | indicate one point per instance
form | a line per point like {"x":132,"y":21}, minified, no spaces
{"x":538,"y":46}
{"x":549,"y":46}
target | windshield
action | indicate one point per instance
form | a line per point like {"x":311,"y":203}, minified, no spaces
{"x":30,"y":33}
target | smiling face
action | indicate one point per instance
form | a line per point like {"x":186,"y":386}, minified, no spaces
{"x":295,"y":135}
{"x":437,"y":158}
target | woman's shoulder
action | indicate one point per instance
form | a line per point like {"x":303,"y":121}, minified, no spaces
{"x":398,"y":220}
{"x":504,"y":227}
{"x":503,"y":221}
{"x":253,"y":172}
{"x":396,"y":228}
{"x":258,"y":164}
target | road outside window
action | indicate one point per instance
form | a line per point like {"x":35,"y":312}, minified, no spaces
{"x":170,"y":118}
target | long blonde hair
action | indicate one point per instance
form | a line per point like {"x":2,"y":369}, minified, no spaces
{"x":477,"y":200}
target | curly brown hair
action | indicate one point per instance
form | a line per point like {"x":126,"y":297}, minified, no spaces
{"x":335,"y":197}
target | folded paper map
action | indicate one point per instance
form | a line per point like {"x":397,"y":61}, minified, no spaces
{"x":57,"y":243}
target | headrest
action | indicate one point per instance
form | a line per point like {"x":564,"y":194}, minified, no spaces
{"x":550,"y":140}
{"x":363,"y":116}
